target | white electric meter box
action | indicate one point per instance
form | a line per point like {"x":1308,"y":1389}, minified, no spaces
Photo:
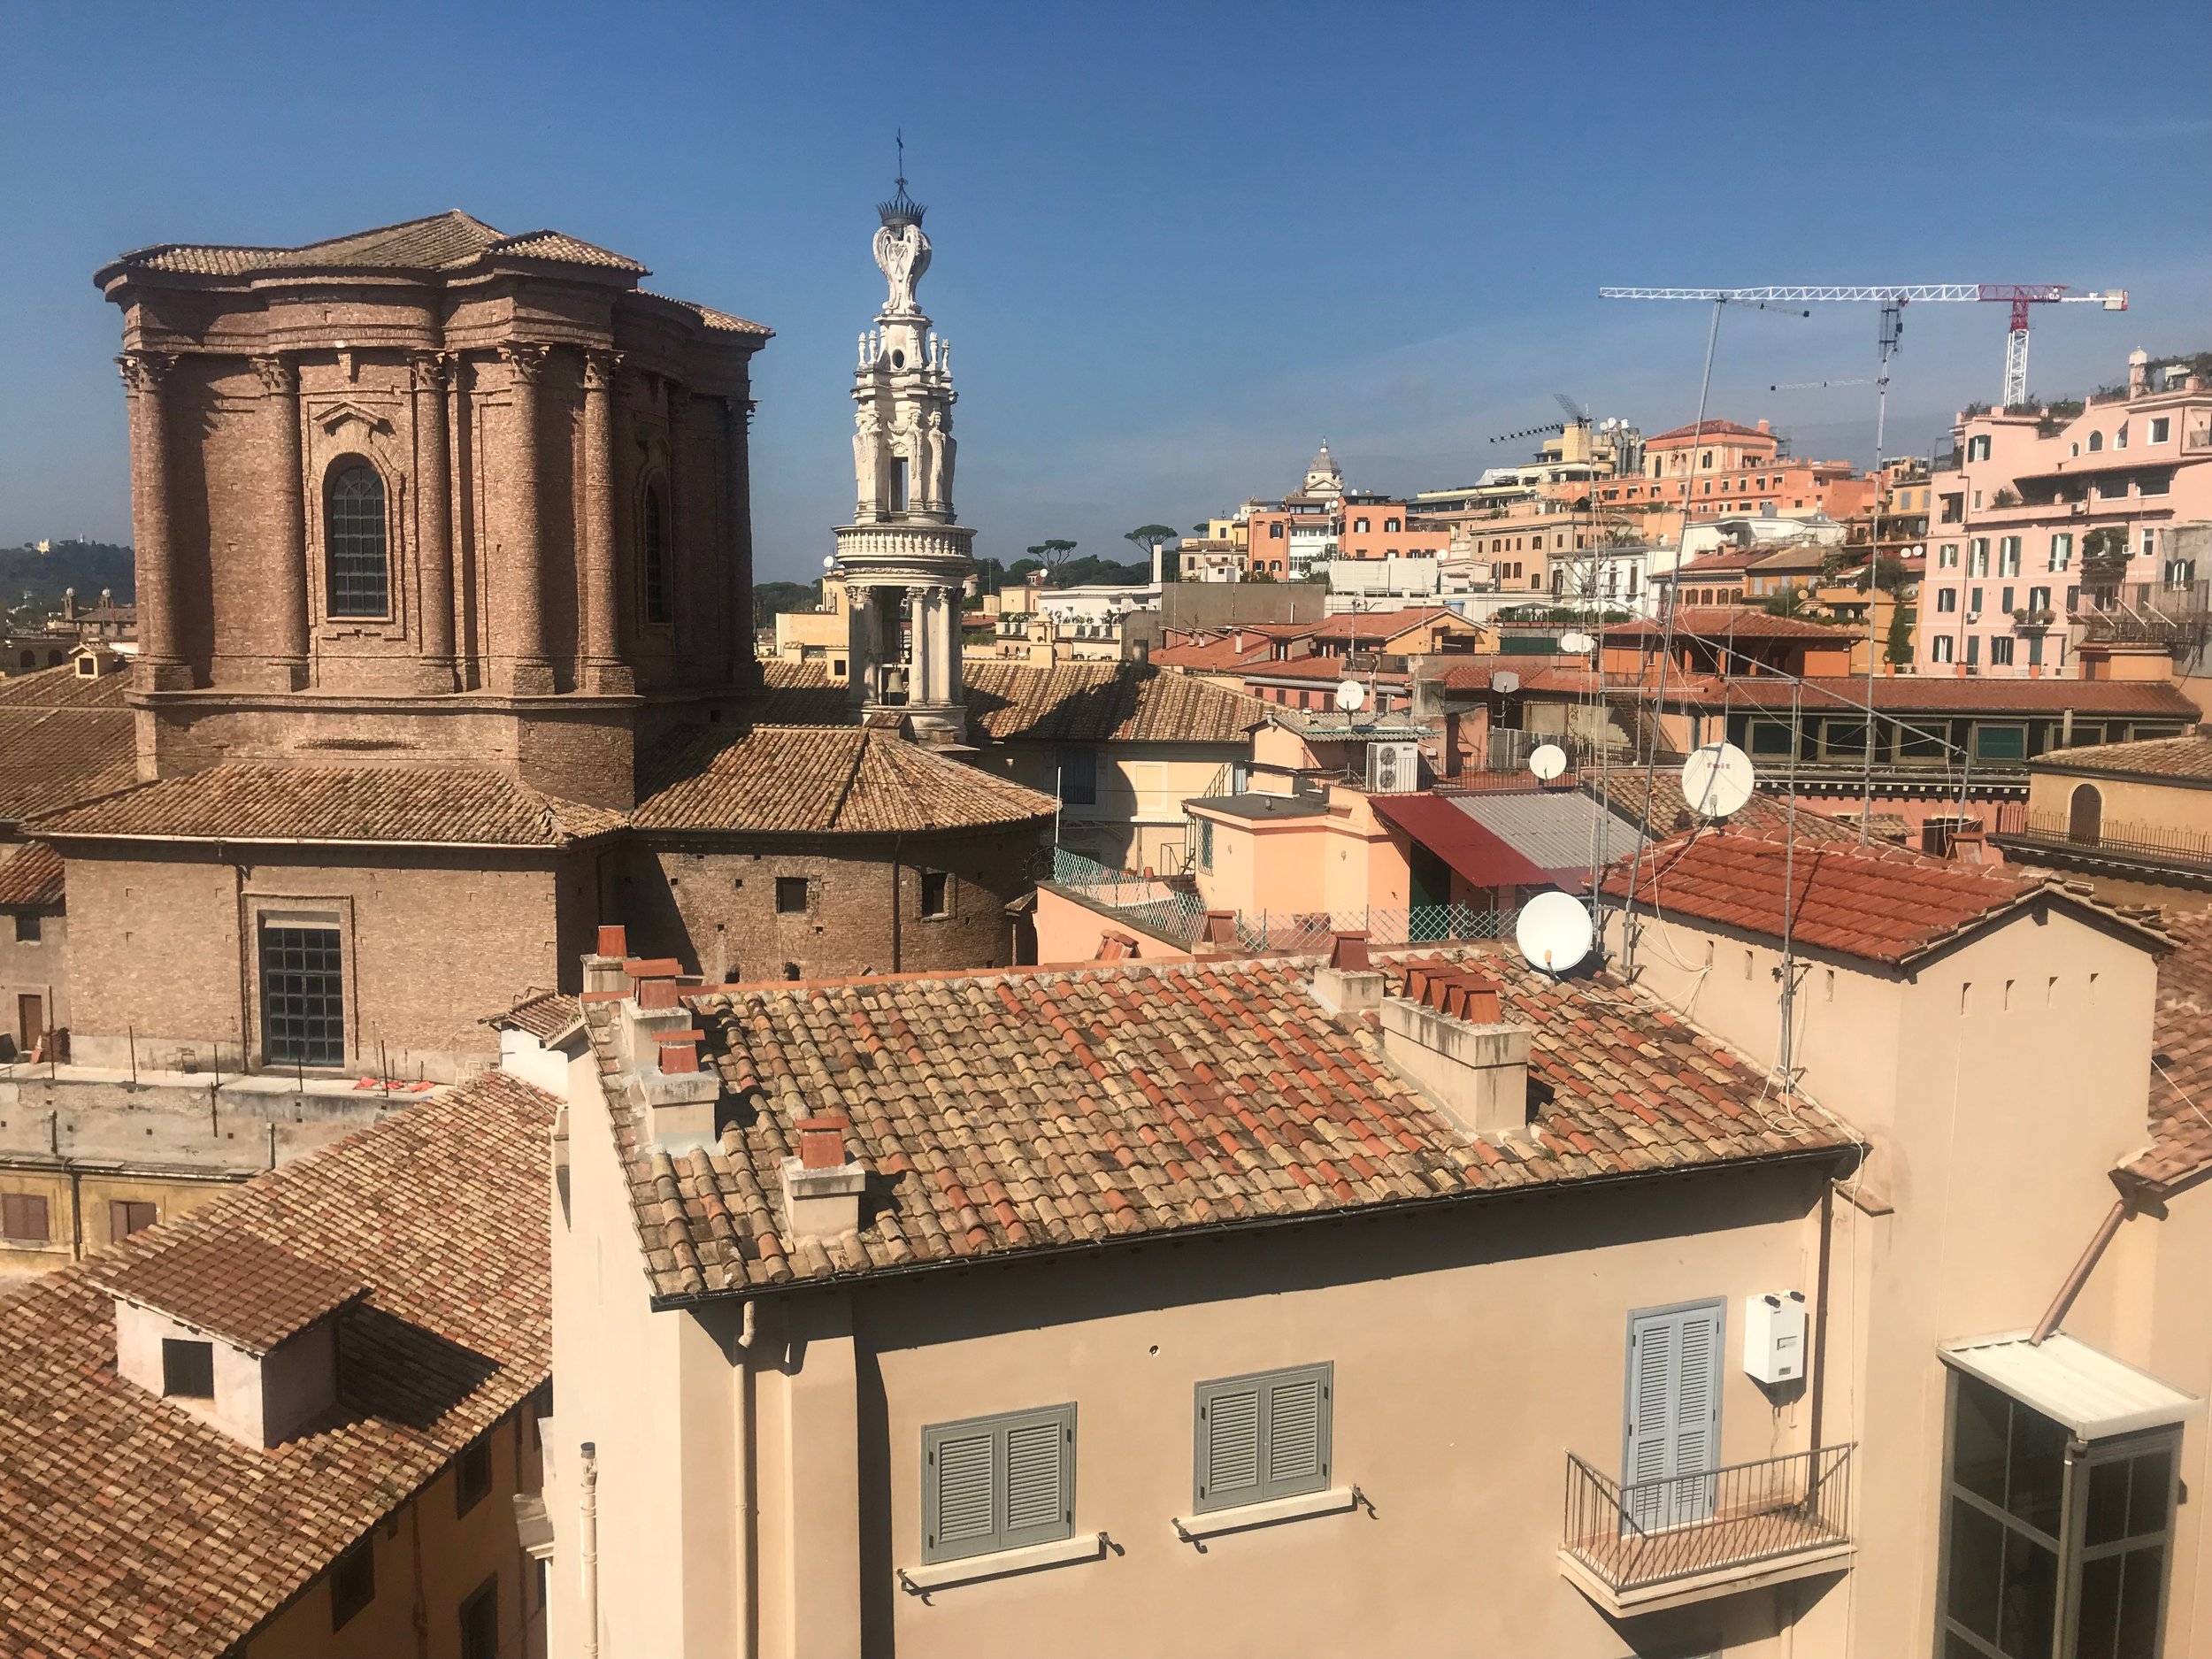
{"x":1774,"y":1337}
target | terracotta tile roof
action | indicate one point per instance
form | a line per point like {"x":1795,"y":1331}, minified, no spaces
{"x":1040,"y":1109}
{"x":1105,"y":702}
{"x":1730,"y":562}
{"x":1213,"y":654}
{"x":1884,"y":904}
{"x":1472,"y":674}
{"x":2181,"y":1055}
{"x":1383,"y":625}
{"x":247,"y":1291}
{"x":128,"y":1527}
{"x":63,"y":739}
{"x":1318,"y":668}
{"x":719,"y":322}
{"x":1622,"y":789}
{"x":1709,"y":428}
{"x":429,"y":807}
{"x":544,"y":1016}
{"x":30,"y":873}
{"x":799,"y":693}
{"x":2182,"y":759}
{"x":1721,"y":622}
{"x":444,"y":242}
{"x":822,"y":780}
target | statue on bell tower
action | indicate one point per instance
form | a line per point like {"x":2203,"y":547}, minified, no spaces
{"x":905,"y":562}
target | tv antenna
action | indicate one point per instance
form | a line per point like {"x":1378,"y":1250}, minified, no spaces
{"x":1554,"y":932}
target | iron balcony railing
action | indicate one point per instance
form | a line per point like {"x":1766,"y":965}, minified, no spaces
{"x":2147,"y":843}
{"x":1658,"y":1532}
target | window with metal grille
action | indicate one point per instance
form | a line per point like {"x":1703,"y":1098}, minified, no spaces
{"x":359,"y":574}
{"x":303,"y":996}
{"x":23,"y":1218}
{"x":997,"y":1483}
{"x":654,"y":562}
{"x":1262,"y":1436}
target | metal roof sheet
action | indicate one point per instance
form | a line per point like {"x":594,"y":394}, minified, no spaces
{"x":1552,"y":830}
{"x":2087,"y":1391}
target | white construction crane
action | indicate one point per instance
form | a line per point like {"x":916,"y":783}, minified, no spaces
{"x":2019,"y":296}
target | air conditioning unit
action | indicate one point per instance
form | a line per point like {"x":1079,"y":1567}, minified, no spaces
{"x":1394,"y":768}
{"x":1972,"y":617}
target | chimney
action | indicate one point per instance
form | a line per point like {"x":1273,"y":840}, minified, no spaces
{"x":659,"y":1049}
{"x":1348,"y":983}
{"x":602,"y":967}
{"x":823,"y":1184}
{"x":1762,"y":425}
{"x":1447,"y":1036}
{"x":1216,"y":934}
{"x":2139,"y":372}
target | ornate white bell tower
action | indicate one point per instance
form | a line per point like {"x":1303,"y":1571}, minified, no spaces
{"x":905,"y":562}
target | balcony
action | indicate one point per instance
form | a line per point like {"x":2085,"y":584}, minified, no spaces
{"x":1660,"y":1544}
{"x":2089,"y":843}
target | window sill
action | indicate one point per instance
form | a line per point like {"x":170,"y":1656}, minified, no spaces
{"x":1063,"y":1552}
{"x":1334,"y":1501}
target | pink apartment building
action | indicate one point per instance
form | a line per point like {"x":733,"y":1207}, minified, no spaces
{"x":2009,"y":536}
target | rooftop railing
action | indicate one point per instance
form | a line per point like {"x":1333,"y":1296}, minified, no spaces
{"x":2142,"y":843}
{"x":1635,"y":1537}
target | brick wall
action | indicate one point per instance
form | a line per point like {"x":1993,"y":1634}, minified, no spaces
{"x":712,"y":904}
{"x":433,"y":943}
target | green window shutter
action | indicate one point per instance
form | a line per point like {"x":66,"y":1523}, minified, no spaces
{"x":1262,"y":1436}
{"x":997,"y":1483}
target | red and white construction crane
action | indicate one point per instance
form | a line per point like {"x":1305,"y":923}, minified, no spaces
{"x":2019,"y":296}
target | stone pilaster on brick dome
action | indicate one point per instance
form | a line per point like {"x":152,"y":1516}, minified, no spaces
{"x":905,"y":560}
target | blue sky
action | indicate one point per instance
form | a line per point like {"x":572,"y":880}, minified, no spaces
{"x":1175,"y":244}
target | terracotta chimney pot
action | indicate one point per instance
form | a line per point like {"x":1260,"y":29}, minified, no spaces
{"x":658,"y":993}
{"x":614,"y":940}
{"x":822,"y":1141}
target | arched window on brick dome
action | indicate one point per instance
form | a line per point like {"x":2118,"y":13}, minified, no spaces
{"x":358,"y":573}
{"x":653,"y":556}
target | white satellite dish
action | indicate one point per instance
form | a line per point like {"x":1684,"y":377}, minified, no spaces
{"x":1553,"y":932}
{"x":1577,"y":644}
{"x":1547,"y":761}
{"x":1505,"y":680}
{"x":1351,"y":696}
{"x":829,"y":562}
{"x":1716,"y":780}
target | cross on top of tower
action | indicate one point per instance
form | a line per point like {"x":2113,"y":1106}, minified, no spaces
{"x":902,"y":209}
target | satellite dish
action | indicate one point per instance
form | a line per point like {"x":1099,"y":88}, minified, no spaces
{"x":830,"y":562}
{"x":1351,"y":696}
{"x":1553,"y":932}
{"x":1505,"y":680}
{"x":1716,"y":780}
{"x":1547,"y":761}
{"x":1577,"y":644}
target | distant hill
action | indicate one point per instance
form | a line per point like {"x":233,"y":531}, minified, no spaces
{"x":30,"y":576}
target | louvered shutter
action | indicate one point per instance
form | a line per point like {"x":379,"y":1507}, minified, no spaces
{"x":1674,"y":1357}
{"x":997,"y":1483}
{"x":1262,"y":1436}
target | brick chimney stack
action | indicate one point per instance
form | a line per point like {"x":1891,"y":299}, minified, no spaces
{"x":822,"y":1185}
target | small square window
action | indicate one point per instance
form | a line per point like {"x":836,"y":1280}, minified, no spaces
{"x":936,"y":893}
{"x":29,"y":927}
{"x":791,"y":895}
{"x":471,"y":1476}
{"x":188,"y":1369}
{"x":127,"y":1216}
{"x":352,"y":1583}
